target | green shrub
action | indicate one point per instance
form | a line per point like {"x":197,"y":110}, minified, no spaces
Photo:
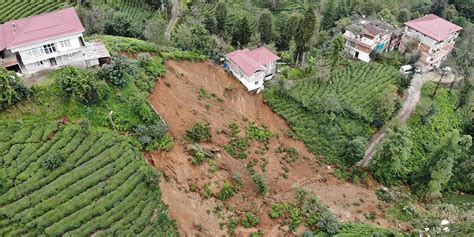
{"x":150,"y":134}
{"x":258,"y":133}
{"x":260,"y":182}
{"x":198,"y":158}
{"x":237,"y":147}
{"x":122,"y":24}
{"x":53,"y":161}
{"x":119,"y":72}
{"x":183,"y":55}
{"x":118,"y":44}
{"x":150,"y":175}
{"x":250,"y":220}
{"x":227,"y":191}
{"x":328,"y":223}
{"x":200,"y":131}
{"x":82,"y":85}
{"x":11,"y":89}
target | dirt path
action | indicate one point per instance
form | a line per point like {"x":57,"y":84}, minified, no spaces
{"x":409,"y":105}
{"x":174,"y":18}
{"x":177,"y":98}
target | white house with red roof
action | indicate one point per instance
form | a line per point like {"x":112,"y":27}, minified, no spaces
{"x":47,"y":41}
{"x":252,"y":67}
{"x":432,"y":36}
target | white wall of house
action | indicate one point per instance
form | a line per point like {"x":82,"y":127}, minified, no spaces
{"x":355,"y":53}
{"x":252,"y":82}
{"x":41,"y":55}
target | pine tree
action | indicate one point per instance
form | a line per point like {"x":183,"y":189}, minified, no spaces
{"x":304,"y":33}
{"x":242,"y":34}
{"x":342,"y":10}
{"x":265,"y":27}
{"x":440,"y":176}
{"x":287,"y":30}
{"x":336,"y":53}
{"x":329,"y":15}
{"x":390,"y":160}
{"x":221,"y":16}
{"x":210,"y":23}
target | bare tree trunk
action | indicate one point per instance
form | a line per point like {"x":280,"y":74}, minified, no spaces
{"x":437,"y":86}
{"x":452,"y":83}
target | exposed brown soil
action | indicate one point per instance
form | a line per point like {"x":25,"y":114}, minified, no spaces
{"x":176,"y":98}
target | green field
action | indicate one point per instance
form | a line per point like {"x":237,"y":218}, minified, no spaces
{"x":15,"y":9}
{"x":306,"y":105}
{"x":99,"y":187}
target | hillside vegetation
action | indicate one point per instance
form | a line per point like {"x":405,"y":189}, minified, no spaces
{"x":327,"y":116}
{"x":60,"y":180}
{"x":15,"y":9}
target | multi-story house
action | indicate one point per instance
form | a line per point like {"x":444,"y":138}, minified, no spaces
{"x":432,"y":37}
{"x":252,"y":67}
{"x":48,"y":41}
{"x":365,"y":36}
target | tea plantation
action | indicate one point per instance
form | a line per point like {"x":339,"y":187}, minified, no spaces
{"x":64,"y":180}
{"x":327,"y":115}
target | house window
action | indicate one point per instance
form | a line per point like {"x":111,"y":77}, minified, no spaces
{"x":37,"y":64}
{"x":49,"y":48}
{"x":65,"y":43}
{"x":256,"y":83}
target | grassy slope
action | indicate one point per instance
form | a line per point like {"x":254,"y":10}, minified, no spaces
{"x":99,"y":186}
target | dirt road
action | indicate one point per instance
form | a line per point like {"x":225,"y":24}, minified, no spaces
{"x":173,"y":19}
{"x":178,"y":97}
{"x":412,"y":97}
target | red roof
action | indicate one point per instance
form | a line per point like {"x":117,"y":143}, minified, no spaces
{"x":251,"y":61}
{"x":39,"y":28}
{"x":433,"y":26}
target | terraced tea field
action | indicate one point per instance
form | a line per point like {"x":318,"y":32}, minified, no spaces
{"x":352,"y":95}
{"x":15,"y":9}
{"x":62,"y":180}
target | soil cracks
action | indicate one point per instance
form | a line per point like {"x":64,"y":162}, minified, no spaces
{"x":174,"y":18}
{"x":413,"y":96}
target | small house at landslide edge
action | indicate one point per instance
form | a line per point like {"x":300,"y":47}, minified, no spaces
{"x":252,"y":67}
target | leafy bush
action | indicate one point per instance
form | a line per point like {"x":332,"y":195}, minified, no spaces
{"x":53,"y":161}
{"x":154,"y":66}
{"x":150,"y":175}
{"x":119,"y":72}
{"x":227,"y":191}
{"x":250,"y":220}
{"x":258,"y":133}
{"x":328,"y":223}
{"x":149,"y":135}
{"x":11,"y":89}
{"x":237,"y":147}
{"x":122,"y":24}
{"x":355,"y":151}
{"x":262,"y":188}
{"x":200,"y":131}
{"x":82,"y":85}
{"x":198,"y":158}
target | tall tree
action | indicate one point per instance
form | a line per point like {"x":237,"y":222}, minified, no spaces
{"x":210,"y":23}
{"x":242,"y":33}
{"x":221,"y":17}
{"x":390,"y":160}
{"x":438,"y":7}
{"x":304,"y":33}
{"x":336,"y":53}
{"x":287,"y":30}
{"x":265,"y":27}
{"x":342,"y":10}
{"x":329,"y":15}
